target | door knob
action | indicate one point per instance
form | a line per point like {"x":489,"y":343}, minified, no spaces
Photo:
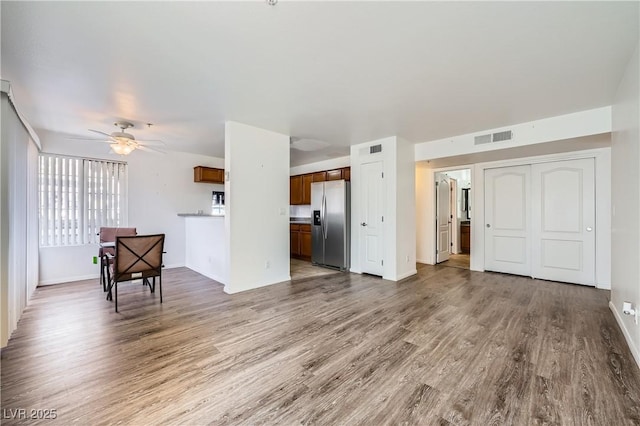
{"x":589,"y":229}
{"x":488,"y":226}
{"x":363,"y":224}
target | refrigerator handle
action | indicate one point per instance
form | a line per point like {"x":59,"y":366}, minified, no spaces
{"x":324,"y":219}
{"x":322,"y":216}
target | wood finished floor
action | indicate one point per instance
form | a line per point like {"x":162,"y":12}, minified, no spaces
{"x":460,"y":260}
{"x":448,"y":346}
{"x":304,"y":269}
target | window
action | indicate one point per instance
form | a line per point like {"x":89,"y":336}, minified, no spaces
{"x":77,"y":197}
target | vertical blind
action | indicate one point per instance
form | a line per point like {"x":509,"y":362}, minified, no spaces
{"x":77,"y":197}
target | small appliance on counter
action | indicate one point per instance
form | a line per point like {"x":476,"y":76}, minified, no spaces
{"x":330,"y":224}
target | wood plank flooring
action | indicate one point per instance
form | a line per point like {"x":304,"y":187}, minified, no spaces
{"x":448,"y":346}
{"x":460,"y":260}
{"x":304,"y":269}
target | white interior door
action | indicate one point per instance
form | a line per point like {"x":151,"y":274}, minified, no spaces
{"x":453,"y":207}
{"x":371,"y":235}
{"x":564,"y":221}
{"x":443,"y":217}
{"x":507,"y":220}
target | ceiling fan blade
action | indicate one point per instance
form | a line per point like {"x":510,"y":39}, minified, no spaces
{"x":102,"y":133}
{"x":152,"y":142}
{"x":145,"y":148}
{"x":82,"y":138}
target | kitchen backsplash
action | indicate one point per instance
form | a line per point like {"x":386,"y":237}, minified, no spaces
{"x":299,"y":211}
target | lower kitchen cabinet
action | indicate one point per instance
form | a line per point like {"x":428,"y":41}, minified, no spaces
{"x":465,"y":238}
{"x":300,"y":239}
{"x":305,"y":241}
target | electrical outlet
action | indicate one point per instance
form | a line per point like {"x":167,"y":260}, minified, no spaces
{"x":267,"y":264}
{"x":407,"y":258}
{"x":627,"y":309}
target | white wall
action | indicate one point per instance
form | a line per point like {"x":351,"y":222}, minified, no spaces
{"x":159,"y":187}
{"x":575,"y":125}
{"x":405,"y":210}
{"x":399,"y":227}
{"x":625,"y":194}
{"x":206,"y":247}
{"x":257,"y":207}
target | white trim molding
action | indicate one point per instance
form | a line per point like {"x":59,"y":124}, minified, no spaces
{"x":5,"y":87}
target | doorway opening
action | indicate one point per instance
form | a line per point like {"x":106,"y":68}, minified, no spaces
{"x":453,"y":218}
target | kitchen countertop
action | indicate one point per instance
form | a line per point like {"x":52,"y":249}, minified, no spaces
{"x":300,"y":220}
{"x":199,"y":215}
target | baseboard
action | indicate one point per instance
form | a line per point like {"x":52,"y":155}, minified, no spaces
{"x":69,"y":279}
{"x":401,"y":276}
{"x":87,"y":277}
{"x":625,"y":332}
{"x":257,"y":285}
{"x":407,"y":274}
{"x":423,"y":261}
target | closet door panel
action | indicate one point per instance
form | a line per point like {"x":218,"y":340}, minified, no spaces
{"x":563,"y":195}
{"x":507,"y":220}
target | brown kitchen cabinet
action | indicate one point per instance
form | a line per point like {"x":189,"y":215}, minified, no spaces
{"x":319,"y":176}
{"x":334,"y":174}
{"x":305,"y":242}
{"x":306,"y":188}
{"x":300,"y":185}
{"x":300,"y":239}
{"x":208,"y":174}
{"x":294,"y":234}
{"x":295,"y":190}
{"x":465,"y":238}
{"x":346,"y":174}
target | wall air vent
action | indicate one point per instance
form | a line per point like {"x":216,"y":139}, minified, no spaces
{"x":503,"y":136}
{"x":375,"y":148}
{"x":482,"y":139}
{"x":495,"y":137}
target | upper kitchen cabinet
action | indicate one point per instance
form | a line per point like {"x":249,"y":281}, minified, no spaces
{"x":300,"y":185}
{"x":208,"y":175}
{"x":334,"y":174}
{"x":346,"y":173}
{"x":319,"y":176}
{"x":295,"y":190}
{"x":306,"y":188}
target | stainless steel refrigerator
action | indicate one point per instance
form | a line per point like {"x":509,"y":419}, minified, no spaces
{"x":330,"y":224}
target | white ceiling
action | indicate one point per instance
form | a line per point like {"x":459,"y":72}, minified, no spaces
{"x":340,"y":72}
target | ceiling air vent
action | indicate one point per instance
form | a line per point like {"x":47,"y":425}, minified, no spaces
{"x":375,"y":148}
{"x":503,"y":136}
{"x":482,"y":139}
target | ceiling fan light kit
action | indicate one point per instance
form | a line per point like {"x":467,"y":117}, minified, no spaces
{"x":125,"y":142}
{"x":122,"y":148}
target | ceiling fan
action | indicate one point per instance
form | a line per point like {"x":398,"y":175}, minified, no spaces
{"x":123,"y":143}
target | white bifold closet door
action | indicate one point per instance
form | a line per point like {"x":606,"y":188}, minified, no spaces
{"x":564,"y":243}
{"x":507,"y":229}
{"x":540,"y":220}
